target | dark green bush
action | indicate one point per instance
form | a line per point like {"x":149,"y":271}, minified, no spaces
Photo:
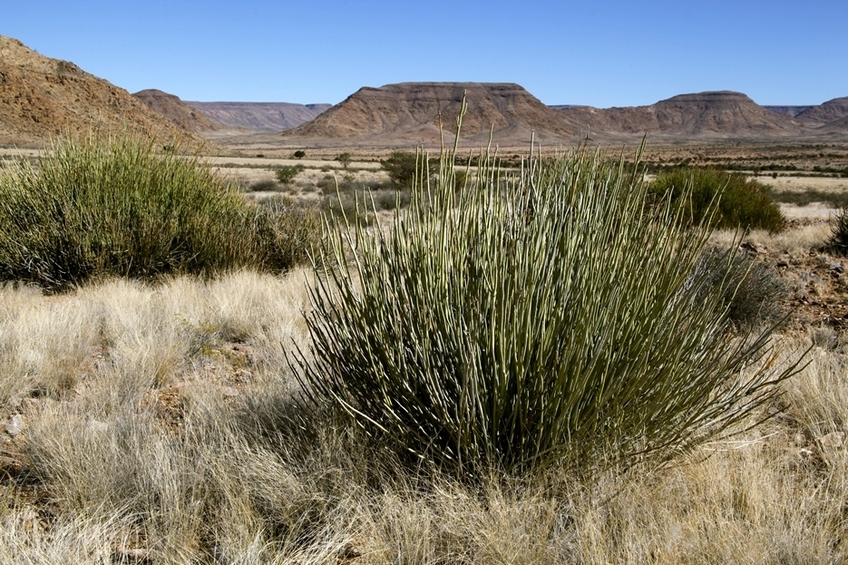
{"x":286,"y":173}
{"x":552,"y":317}
{"x":838,"y":241}
{"x":403,"y":166}
{"x":119,"y":208}
{"x":742,"y":202}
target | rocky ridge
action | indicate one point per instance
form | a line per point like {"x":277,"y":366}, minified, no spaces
{"x":43,"y":98}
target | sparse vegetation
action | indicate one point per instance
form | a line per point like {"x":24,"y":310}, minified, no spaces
{"x":742,"y":203}
{"x":159,"y":423}
{"x":447,"y":339}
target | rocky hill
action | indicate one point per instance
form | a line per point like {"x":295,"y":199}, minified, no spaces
{"x":42,"y":98}
{"x":178,"y":112}
{"x":721,"y":114}
{"x":828,"y":113}
{"x":260,"y":116}
{"x":411,"y":112}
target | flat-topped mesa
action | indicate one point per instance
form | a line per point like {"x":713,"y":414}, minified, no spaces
{"x":700,"y":115}
{"x":43,"y":98}
{"x":416,"y":110}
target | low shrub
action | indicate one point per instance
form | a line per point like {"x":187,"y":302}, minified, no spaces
{"x":264,"y":186}
{"x":286,"y":232}
{"x":120,"y":208}
{"x":752,"y":291}
{"x":548,"y":317}
{"x":742,"y":202}
{"x":286,"y":173}
{"x":838,"y":241}
{"x":403,"y":167}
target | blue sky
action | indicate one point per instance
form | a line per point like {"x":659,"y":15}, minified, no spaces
{"x":601,"y":53}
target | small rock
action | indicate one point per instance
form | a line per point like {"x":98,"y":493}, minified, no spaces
{"x":783,"y":263}
{"x":15,"y":425}
{"x":230,"y":392}
{"x":833,"y":440}
{"x":837,"y":268}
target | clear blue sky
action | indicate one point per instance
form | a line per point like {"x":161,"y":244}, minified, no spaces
{"x":601,"y":53}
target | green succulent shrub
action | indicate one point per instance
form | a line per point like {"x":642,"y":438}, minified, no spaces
{"x":838,"y":241}
{"x":741,"y":202}
{"x":94,"y":208}
{"x":548,"y":316}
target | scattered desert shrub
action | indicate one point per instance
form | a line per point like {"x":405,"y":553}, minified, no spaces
{"x":753,"y":293}
{"x":838,"y":241}
{"x":742,"y":203}
{"x":286,"y":232}
{"x":264,"y":186}
{"x":403,"y":167}
{"x":119,"y":208}
{"x":548,"y":317}
{"x":286,"y":173}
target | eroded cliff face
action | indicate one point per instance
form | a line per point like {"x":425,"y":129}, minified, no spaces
{"x":42,"y":98}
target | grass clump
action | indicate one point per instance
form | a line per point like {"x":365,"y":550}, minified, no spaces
{"x":547,"y":317}
{"x":120,"y":208}
{"x":742,"y":203}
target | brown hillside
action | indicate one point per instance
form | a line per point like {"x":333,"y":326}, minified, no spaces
{"x":411,"y":111}
{"x":702,"y":115}
{"x":260,"y":116}
{"x":826,"y":113}
{"x":178,"y":112}
{"x":42,"y":98}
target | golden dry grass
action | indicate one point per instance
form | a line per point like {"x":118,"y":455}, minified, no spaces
{"x":156,"y":430}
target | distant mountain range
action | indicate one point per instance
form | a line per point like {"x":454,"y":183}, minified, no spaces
{"x":41,"y":98}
